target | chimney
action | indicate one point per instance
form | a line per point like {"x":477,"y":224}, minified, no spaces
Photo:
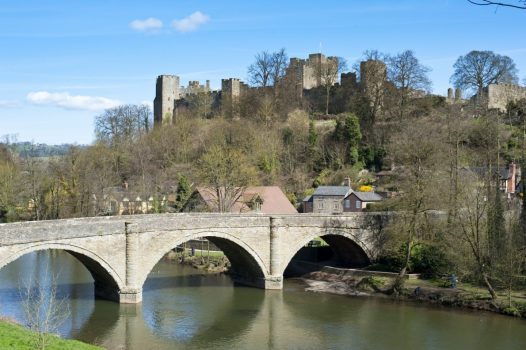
{"x":512,"y":174}
{"x":125,"y":185}
{"x":347,"y":182}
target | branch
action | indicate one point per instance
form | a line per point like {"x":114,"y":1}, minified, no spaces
{"x":487,"y":2}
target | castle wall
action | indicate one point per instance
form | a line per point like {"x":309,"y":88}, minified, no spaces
{"x":499,"y":95}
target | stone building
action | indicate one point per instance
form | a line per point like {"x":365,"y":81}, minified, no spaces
{"x":454,"y":99}
{"x":170,"y":95}
{"x":373,"y":76}
{"x":232,"y":89}
{"x":497,"y":96}
{"x":167,"y":92}
{"x":306,"y":73}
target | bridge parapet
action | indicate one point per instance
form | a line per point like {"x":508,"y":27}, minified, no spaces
{"x":121,"y":251}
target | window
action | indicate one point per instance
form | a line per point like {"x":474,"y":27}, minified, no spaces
{"x":358,"y":204}
{"x":347,"y":204}
{"x":320,"y":205}
{"x":336,"y":205}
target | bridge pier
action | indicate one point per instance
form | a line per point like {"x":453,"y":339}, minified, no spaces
{"x":130,"y":296}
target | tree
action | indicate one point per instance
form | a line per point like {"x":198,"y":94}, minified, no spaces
{"x":327,"y":73}
{"x":183,"y":192}
{"x":45,"y":312}
{"x":407,"y":73}
{"x":408,"y":76}
{"x":348,"y":132}
{"x":417,"y":150}
{"x":225,"y":170}
{"x":498,"y":3}
{"x":477,"y":69}
{"x":268,"y":68}
{"x":123,"y":123}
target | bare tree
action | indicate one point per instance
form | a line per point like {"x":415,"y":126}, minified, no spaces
{"x":268,"y":68}
{"x":225,"y":170}
{"x":498,"y":3}
{"x":409,"y":77}
{"x":407,"y":73}
{"x":45,"y":312}
{"x":327,"y":73}
{"x":260,"y":72}
{"x":279,"y":65}
{"x":123,"y":123}
{"x":477,"y":69}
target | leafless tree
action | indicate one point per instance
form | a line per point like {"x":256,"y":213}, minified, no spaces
{"x":225,"y":171}
{"x":327,"y":72}
{"x":477,"y":69}
{"x":498,"y":3}
{"x":123,"y":123}
{"x":407,"y":73}
{"x":45,"y":312}
{"x":268,"y":68}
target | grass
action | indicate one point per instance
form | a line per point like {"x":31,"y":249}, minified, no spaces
{"x":13,"y":336}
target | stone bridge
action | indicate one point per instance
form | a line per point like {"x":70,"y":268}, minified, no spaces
{"x":120,"y":251}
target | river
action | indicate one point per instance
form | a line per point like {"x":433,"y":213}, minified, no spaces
{"x":185,"y":309}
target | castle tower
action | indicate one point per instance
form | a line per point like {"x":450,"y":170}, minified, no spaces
{"x":231,"y":91}
{"x":167,"y":91}
{"x":373,"y":75}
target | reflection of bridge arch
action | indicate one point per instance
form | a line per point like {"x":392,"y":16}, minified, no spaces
{"x":107,"y":282}
{"x":349,"y":249}
{"x":246,"y":264}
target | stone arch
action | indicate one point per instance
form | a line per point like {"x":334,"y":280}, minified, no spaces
{"x":247,"y":266}
{"x":347,"y":247}
{"x":107,"y":282}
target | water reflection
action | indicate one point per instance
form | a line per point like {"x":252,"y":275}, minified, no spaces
{"x":185,"y":309}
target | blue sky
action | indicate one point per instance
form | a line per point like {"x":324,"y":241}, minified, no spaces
{"x":62,"y":62}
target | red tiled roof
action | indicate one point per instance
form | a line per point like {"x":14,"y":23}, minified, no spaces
{"x":274,"y":200}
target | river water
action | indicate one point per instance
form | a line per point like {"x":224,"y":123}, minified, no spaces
{"x":185,"y":309}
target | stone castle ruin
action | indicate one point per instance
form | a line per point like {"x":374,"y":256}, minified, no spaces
{"x":498,"y":96}
{"x":302,"y":74}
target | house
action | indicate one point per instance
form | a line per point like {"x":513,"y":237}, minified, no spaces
{"x":326,"y":199}
{"x":122,"y":201}
{"x":338,"y":199}
{"x":358,"y":201}
{"x":508,"y":176}
{"x":256,"y":199}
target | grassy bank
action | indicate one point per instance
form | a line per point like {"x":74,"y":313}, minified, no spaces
{"x":13,"y":336}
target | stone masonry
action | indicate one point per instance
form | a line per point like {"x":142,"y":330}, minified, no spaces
{"x":121,"y":251}
{"x":497,"y":96}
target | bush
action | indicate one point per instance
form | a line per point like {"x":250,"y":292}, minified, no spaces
{"x":430,"y":261}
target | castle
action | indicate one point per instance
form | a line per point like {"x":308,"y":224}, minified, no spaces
{"x":498,"y":96}
{"x":301,"y":74}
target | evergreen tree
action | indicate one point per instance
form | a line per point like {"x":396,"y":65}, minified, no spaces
{"x":183,"y":193}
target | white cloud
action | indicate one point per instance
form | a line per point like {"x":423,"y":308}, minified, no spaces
{"x":191,"y":22}
{"x":147,"y":25}
{"x":67,"y":101}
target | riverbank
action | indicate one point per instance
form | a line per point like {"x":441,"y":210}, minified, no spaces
{"x":209,"y":261}
{"x":415,"y":290}
{"x":16,"y":337}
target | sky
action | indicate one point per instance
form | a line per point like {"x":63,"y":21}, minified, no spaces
{"x":63,"y":62}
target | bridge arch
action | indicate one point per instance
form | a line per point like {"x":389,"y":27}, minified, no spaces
{"x":108,"y":284}
{"x":247,"y":266}
{"x":348,"y":247}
